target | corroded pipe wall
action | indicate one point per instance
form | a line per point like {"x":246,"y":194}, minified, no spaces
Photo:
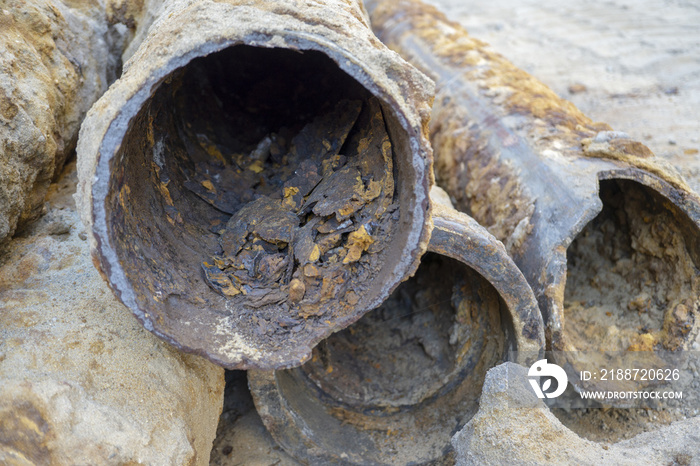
{"x":156,"y":243}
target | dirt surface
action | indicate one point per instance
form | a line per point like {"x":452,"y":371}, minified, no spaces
{"x":632,"y":64}
{"x":612,"y":425}
{"x":81,"y":381}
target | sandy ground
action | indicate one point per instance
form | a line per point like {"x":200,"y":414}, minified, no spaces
{"x":632,"y":64}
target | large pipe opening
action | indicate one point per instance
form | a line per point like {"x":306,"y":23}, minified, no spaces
{"x":264,"y":185}
{"x":395,"y":386}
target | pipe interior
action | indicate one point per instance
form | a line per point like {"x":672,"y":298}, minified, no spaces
{"x":633,"y":281}
{"x":415,"y":365}
{"x":633,"y":284}
{"x":252,"y":134}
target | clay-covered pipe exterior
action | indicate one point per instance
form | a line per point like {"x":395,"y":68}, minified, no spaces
{"x":258,"y":177}
{"x":605,"y":233}
{"x":395,"y":386}
{"x":55,"y":61}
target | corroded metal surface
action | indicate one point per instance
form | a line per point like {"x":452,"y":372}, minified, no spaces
{"x":395,"y":386}
{"x":201,"y":177}
{"x":539,"y":175}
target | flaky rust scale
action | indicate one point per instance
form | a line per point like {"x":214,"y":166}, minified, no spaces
{"x":144,"y":241}
{"x":522,"y":161}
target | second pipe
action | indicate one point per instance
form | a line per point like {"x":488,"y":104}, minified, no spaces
{"x":605,"y":233}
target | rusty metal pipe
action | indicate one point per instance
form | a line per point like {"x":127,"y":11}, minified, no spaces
{"x":192,"y":168}
{"x":605,"y":233}
{"x":394,"y":387}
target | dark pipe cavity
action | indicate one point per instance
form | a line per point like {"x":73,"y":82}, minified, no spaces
{"x":415,"y":344}
{"x":256,"y":129}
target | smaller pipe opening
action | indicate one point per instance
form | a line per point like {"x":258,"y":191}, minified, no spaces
{"x":428,"y":335}
{"x":632,"y":282}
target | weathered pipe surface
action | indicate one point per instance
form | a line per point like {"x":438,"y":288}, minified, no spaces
{"x":575,"y":203}
{"x":55,"y":61}
{"x":536,"y":436}
{"x":258,"y":177}
{"x":137,"y":16}
{"x":394,"y":387}
{"x":81,"y":381}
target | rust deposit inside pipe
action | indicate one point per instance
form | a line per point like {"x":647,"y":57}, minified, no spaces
{"x":260,"y":181}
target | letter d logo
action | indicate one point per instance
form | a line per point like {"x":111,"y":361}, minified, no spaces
{"x":542,"y":369}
